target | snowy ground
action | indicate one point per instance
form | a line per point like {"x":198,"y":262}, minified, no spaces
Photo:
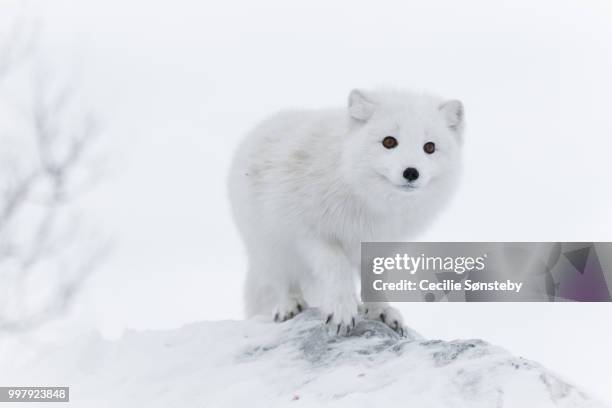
{"x":259,"y":363}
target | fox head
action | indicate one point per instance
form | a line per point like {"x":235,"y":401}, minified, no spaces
{"x":402,"y":146}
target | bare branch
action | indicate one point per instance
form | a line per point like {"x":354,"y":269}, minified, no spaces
{"x":40,"y":239}
{"x":61,"y":301}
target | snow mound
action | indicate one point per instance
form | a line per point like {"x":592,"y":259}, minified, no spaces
{"x":297,"y":363}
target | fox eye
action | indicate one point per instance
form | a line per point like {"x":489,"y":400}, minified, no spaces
{"x":389,"y":142}
{"x":429,"y":147}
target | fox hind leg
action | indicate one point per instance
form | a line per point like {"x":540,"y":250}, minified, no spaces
{"x":273,"y":285}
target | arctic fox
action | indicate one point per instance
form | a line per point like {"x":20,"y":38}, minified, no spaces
{"x":308,"y":186}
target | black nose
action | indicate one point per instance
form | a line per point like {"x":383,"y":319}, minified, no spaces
{"x":411,"y":174}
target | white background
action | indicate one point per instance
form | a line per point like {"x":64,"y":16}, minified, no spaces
{"x":178,"y":83}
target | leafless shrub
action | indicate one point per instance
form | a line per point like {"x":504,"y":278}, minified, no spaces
{"x":46,"y":144}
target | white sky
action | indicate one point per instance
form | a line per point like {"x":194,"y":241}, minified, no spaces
{"x":179,"y":82}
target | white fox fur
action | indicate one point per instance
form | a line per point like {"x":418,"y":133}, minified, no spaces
{"x":308,"y":186}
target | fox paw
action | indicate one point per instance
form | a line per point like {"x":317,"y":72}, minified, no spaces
{"x":386,"y":314}
{"x":341,"y":318}
{"x":289,"y":308}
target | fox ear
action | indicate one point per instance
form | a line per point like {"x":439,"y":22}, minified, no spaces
{"x":359,"y":107}
{"x":453,"y":114}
